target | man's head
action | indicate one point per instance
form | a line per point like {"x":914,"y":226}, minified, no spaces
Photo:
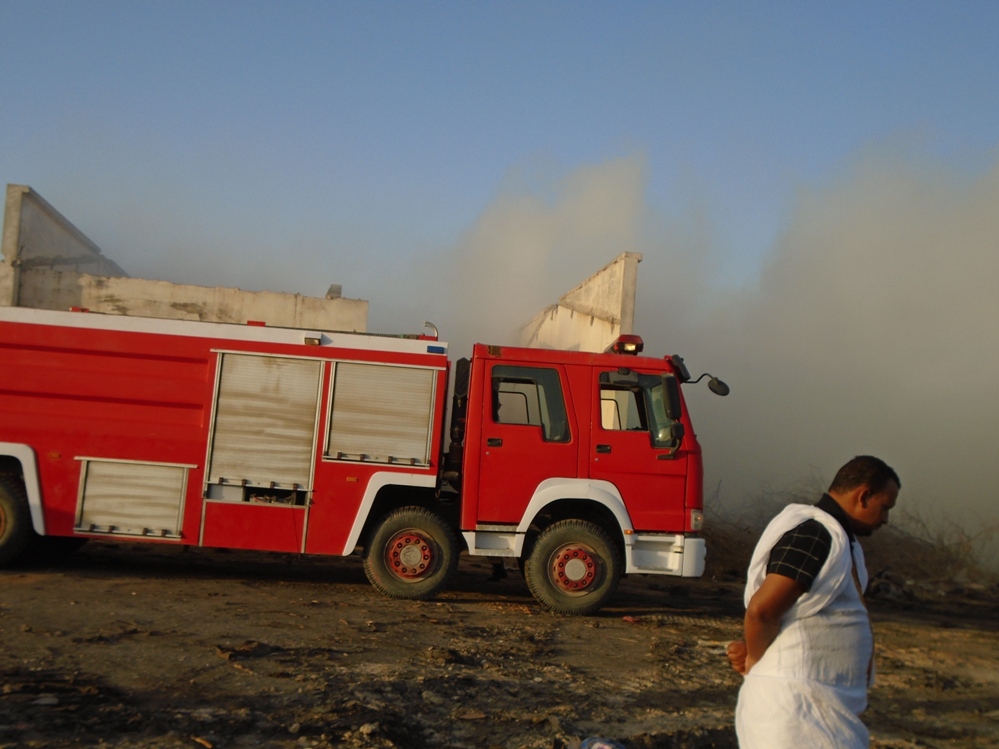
{"x":866,"y":488}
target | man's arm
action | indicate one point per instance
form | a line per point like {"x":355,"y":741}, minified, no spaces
{"x":767,"y":607}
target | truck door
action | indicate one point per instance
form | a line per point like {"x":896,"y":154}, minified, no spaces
{"x":632,"y":447}
{"x":527,"y":438}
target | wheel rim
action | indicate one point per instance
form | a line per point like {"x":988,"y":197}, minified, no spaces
{"x":574,"y":569}
{"x":411,"y":555}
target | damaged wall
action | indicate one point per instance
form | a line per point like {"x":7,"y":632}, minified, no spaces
{"x":593,"y":314}
{"x":36,"y":237}
{"x":50,"y":264}
{"x":147,"y":298}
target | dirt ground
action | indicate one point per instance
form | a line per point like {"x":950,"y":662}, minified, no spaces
{"x":124,"y":646}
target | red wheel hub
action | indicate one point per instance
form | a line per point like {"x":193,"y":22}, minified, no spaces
{"x":410,"y":555}
{"x":574,"y":568}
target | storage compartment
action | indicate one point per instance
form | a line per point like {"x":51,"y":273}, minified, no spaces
{"x":264,"y":429}
{"x":130,"y":498}
{"x":381,"y":413}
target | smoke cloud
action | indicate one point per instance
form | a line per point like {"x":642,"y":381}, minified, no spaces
{"x":536,"y":240}
{"x":872,"y":328}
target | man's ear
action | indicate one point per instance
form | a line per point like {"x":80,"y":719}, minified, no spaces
{"x":864,"y":496}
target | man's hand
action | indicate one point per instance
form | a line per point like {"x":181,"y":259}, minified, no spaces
{"x":736,"y":652}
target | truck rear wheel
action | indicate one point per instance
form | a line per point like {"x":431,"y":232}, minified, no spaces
{"x":574,"y":568}
{"x":412,"y":554}
{"x":15,"y":520}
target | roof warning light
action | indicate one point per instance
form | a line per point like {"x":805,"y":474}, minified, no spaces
{"x":627,"y":344}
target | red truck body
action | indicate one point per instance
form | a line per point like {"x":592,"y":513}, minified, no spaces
{"x":583,"y":466}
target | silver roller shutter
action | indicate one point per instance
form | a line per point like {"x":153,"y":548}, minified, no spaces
{"x":265,"y":421}
{"x":131,"y":498}
{"x":381,"y":413}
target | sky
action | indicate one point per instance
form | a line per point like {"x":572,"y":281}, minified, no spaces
{"x":813,"y":187}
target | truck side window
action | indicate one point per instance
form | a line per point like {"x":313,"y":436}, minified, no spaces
{"x":639,"y":405}
{"x":620,"y":410}
{"x":530,"y":396}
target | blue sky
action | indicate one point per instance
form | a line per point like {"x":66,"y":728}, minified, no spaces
{"x":813,"y":186}
{"x":395,"y":124}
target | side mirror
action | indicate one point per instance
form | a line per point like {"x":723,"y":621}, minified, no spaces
{"x":681,"y":369}
{"x":718,"y":387}
{"x":683,"y":375}
{"x":672,"y":400}
{"x":676,"y":432}
{"x":673,"y":434}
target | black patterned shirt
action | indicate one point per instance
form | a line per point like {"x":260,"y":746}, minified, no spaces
{"x":801,"y":552}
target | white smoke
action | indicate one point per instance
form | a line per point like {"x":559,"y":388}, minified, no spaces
{"x":874,"y":327}
{"x":874,"y":330}
{"x":529,"y":246}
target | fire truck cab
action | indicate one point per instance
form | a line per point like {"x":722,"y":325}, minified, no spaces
{"x":583,"y":466}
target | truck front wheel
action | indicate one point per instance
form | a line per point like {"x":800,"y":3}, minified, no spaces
{"x":412,"y":554}
{"x":15,"y":520}
{"x":573,"y":568}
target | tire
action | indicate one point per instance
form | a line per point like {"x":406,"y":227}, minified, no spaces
{"x":573,"y":568}
{"x":413,"y":554}
{"x":15,"y":520}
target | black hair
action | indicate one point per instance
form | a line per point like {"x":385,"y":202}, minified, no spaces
{"x":864,"y":470}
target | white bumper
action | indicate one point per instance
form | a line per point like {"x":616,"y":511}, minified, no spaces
{"x":664,"y":554}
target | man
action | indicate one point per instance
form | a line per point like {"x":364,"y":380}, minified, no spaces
{"x":808,"y":652}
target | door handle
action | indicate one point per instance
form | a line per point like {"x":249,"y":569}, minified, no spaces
{"x":494,"y":442}
{"x":603,"y":448}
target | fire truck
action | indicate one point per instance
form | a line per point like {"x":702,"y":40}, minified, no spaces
{"x":582,"y":467}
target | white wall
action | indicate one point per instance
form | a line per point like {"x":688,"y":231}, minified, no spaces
{"x":593,"y":314}
{"x":146,"y":298}
{"x":50,"y":264}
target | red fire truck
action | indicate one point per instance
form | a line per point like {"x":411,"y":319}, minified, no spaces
{"x":583,"y":467}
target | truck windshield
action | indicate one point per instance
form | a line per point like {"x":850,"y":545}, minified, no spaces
{"x":640,"y":402}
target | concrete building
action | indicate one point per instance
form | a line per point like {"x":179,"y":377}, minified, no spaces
{"x":48,"y":263}
{"x":593,"y":314}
